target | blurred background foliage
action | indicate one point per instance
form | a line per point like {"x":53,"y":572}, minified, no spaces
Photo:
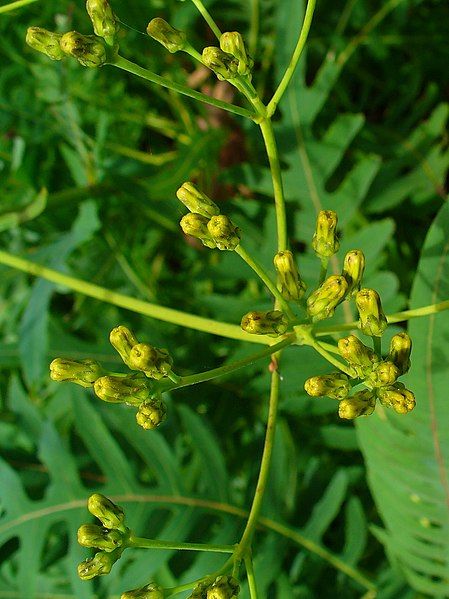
{"x":89,"y":164}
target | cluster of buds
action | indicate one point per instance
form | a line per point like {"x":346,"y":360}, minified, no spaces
{"x":230,"y":59}
{"x":110,"y":538}
{"x":89,"y":50}
{"x":137,"y":389}
{"x":223,"y":587}
{"x":204,"y":221}
{"x":380,"y":377}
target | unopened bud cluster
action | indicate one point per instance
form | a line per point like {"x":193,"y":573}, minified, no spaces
{"x":137,"y":389}
{"x":231,"y":59}
{"x":223,"y":587}
{"x":204,"y":222}
{"x":89,"y":50}
{"x":380,"y":377}
{"x":110,"y":537}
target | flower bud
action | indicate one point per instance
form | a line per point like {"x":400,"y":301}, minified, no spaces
{"x":397,"y":397}
{"x":82,"y":372}
{"x":291,"y":286}
{"x":385,"y":373}
{"x":155,"y":363}
{"x":325,"y":242}
{"x":358,"y":355}
{"x":224,"y":587}
{"x":92,"y":535}
{"x":223,"y":232}
{"x":353,"y":269}
{"x":400,"y":350}
{"x":221,"y":63}
{"x":99,"y":565}
{"x":272,"y":323}
{"x":149,"y":591}
{"x":196,"y":201}
{"x":123,"y":340}
{"x":87,"y":49}
{"x":151,"y":414}
{"x":200,"y":590}
{"x":360,"y":404}
{"x":110,"y":515}
{"x":372,"y":318}
{"x":103,"y":19}
{"x":45,"y":41}
{"x":165,"y":34}
{"x":335,"y":385}
{"x":322,"y":302}
{"x":196,"y":226}
{"x":129,"y":389}
{"x":232,"y":43}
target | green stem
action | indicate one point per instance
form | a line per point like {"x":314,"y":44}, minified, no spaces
{"x":143,"y":543}
{"x":207,"y":17}
{"x":263,"y":275}
{"x":391,"y":318}
{"x":377,"y":345}
{"x":14,"y":5}
{"x":254,"y":27}
{"x":184,"y":319}
{"x":201,"y":377}
{"x":245,"y":541}
{"x":323,"y":270}
{"x":318,"y":347}
{"x":272,"y":105}
{"x":251,"y":577}
{"x":266,"y":128}
{"x":130,"y":67}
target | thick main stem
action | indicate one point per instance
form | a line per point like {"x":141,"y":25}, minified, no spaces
{"x":130,"y":67}
{"x":266,"y":128}
{"x":264,"y":472}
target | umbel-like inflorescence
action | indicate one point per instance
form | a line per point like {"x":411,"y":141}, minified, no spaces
{"x":362,"y":376}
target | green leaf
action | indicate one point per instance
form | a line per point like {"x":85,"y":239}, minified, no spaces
{"x":408,"y":456}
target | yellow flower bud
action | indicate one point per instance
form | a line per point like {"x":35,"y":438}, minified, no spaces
{"x":196,"y":226}
{"x":360,"y":404}
{"x":196,"y":201}
{"x":87,"y":49}
{"x":149,"y":591}
{"x":232,"y":43}
{"x":272,"y":323}
{"x":399,"y":398}
{"x":385,"y":373}
{"x":322,"y":302}
{"x":82,"y":372}
{"x":99,"y":565}
{"x":129,"y":389}
{"x":291,"y":286}
{"x":353,"y":269}
{"x":151,"y":414}
{"x":325,"y":242}
{"x":92,"y":535}
{"x":156,"y":363}
{"x":103,"y":19}
{"x":45,"y":41}
{"x":224,"y":587}
{"x":223,"y":232}
{"x":221,"y":63}
{"x":110,"y":515}
{"x":400,"y":350}
{"x":335,"y":386}
{"x":358,"y":355}
{"x":161,"y":31}
{"x":372,"y":318}
{"x":123,"y":340}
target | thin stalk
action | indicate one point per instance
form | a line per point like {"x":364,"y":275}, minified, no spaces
{"x":245,"y":541}
{"x":14,"y":5}
{"x":190,"y":585}
{"x":184,"y":319}
{"x":323,"y":270}
{"x":377,"y":345}
{"x":201,"y":377}
{"x":143,"y":543}
{"x":317,"y":346}
{"x":251,"y":577}
{"x":253,"y":37}
{"x":391,"y":318}
{"x":263,"y":275}
{"x":130,"y":67}
{"x":207,"y":17}
{"x":272,"y":105}
{"x":266,"y":128}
